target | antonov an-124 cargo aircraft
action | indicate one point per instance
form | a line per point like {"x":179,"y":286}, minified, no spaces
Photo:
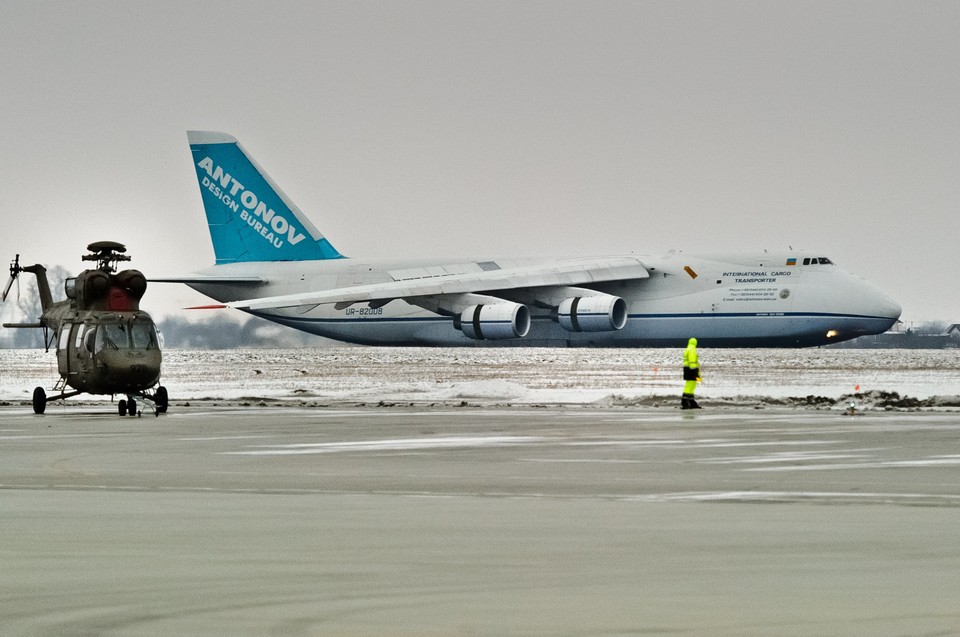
{"x":272,"y":262}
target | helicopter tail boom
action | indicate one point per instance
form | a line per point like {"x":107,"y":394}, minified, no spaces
{"x":43,"y":286}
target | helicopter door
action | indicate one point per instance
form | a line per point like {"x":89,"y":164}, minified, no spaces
{"x":64,"y":362}
{"x":80,"y":355}
{"x":70,"y":355}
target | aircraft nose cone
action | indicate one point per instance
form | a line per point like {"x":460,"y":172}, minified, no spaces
{"x":131,"y":370}
{"x":891,"y":309}
{"x":882,"y":306}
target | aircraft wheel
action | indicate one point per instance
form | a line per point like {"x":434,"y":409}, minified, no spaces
{"x":122,"y":407}
{"x":161,"y":400}
{"x":132,"y":407}
{"x":39,"y":400}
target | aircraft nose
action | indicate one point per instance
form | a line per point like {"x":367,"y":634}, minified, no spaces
{"x":131,"y":369}
{"x":891,"y":309}
{"x":882,"y":306}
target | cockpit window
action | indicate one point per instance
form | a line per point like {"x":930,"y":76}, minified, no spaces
{"x":144,"y":335}
{"x":824,"y":261}
{"x":112,"y":336}
{"x":135,"y":335}
{"x":817,"y":261}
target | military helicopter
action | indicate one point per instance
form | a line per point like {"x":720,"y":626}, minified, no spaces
{"x":105,"y":343}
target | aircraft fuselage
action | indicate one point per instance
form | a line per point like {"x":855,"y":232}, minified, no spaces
{"x":725,"y":301}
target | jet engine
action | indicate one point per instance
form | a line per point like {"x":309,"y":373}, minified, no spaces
{"x":595,"y":313}
{"x":495,"y":321}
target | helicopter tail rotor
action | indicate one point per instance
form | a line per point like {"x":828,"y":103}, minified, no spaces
{"x":15,"y":270}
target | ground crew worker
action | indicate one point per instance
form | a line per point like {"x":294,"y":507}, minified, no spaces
{"x":691,"y":374}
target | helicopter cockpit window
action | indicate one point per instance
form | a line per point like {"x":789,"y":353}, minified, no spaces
{"x":112,"y":336}
{"x":135,"y":335}
{"x":144,"y":335}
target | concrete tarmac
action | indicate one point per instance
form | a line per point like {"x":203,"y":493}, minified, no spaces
{"x":445,"y":521}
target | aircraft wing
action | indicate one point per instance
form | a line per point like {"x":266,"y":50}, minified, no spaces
{"x":435,"y":281}
{"x":199,"y":278}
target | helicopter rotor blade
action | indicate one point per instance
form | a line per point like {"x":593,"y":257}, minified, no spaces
{"x":15,"y":271}
{"x":6,"y":290}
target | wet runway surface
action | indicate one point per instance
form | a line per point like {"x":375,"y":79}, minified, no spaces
{"x":390,"y":521}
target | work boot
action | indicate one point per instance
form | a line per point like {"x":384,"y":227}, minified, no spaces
{"x":694,"y":404}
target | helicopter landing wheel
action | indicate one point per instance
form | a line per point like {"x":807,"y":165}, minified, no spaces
{"x":39,"y":400}
{"x":161,"y":399}
{"x":122,"y":407}
{"x":131,"y":406}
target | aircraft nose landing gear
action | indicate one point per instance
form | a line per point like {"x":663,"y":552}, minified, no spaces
{"x":160,"y":401}
{"x":128,"y":406}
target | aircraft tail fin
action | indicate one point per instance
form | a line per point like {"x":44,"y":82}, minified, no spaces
{"x":250,"y":218}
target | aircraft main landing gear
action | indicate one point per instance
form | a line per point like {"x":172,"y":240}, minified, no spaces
{"x":39,"y":400}
{"x":161,"y":400}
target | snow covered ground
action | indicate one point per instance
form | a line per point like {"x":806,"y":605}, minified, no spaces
{"x":521,"y":376}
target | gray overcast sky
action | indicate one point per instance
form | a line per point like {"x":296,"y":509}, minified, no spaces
{"x":495,"y":128}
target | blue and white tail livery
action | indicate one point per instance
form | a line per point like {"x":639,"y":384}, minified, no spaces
{"x":272,"y":262}
{"x":250,"y":218}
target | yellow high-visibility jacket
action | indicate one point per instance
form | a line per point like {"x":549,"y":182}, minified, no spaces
{"x":690,"y":358}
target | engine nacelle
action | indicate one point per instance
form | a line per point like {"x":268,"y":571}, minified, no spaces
{"x":600,"y":313}
{"x":132,"y":281}
{"x":495,"y":321}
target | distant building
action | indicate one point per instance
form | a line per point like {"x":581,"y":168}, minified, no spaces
{"x":954,"y":333}
{"x":900,"y":338}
